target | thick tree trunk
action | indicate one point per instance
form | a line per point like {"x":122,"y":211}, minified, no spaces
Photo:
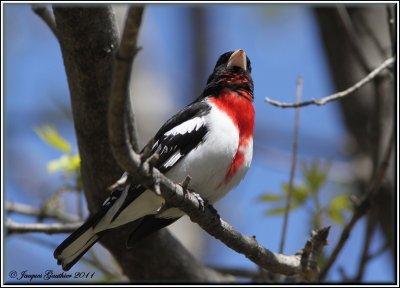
{"x":88,"y":39}
{"x":356,"y":41}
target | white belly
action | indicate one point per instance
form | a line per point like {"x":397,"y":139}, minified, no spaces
{"x":209,"y":166}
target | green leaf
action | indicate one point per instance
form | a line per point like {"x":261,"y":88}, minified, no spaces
{"x":66,"y":163}
{"x":275,"y":211}
{"x":337,"y":207}
{"x":299,"y":193}
{"x":50,"y":135}
{"x":270,"y":197}
{"x":279,"y":210}
{"x":336,"y":216}
{"x":315,"y":175}
{"x":341,"y":202}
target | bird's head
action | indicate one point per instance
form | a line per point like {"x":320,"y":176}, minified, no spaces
{"x":232,"y":71}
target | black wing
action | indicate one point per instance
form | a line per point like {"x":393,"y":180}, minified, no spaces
{"x":173,"y":144}
{"x":177,"y":137}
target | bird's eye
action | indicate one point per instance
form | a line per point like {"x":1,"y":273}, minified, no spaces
{"x":248,"y":65}
{"x":223,"y":59}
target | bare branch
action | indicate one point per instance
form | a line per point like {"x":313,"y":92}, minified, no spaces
{"x":292,"y":166}
{"x":312,"y":251}
{"x":386,"y":64}
{"x":46,"y":16}
{"x":364,"y":259}
{"x":48,"y":228}
{"x":120,"y":126}
{"x":379,"y":252}
{"x":362,"y":207}
{"x":12,"y":207}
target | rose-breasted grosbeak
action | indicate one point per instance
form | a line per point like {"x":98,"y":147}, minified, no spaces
{"x":211,"y":140}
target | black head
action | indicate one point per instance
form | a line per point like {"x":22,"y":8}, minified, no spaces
{"x":232,"y":71}
{"x":222,"y":64}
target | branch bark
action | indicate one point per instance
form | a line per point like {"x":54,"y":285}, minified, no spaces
{"x":48,"y":228}
{"x":12,"y":207}
{"x":46,"y":16}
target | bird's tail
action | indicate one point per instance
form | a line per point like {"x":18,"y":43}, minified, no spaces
{"x":78,"y":243}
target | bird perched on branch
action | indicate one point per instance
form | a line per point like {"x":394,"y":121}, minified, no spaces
{"x":211,"y":140}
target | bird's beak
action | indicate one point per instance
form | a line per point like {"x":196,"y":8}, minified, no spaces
{"x":238,"y":58}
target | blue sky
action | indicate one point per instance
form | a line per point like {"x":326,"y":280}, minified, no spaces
{"x":282,"y":42}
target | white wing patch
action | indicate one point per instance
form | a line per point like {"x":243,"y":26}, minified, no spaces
{"x":187,"y":126}
{"x":173,"y":159}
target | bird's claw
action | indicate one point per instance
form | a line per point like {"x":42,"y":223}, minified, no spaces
{"x":202,"y":202}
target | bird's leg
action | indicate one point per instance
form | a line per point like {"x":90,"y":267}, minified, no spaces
{"x":152,"y":160}
{"x":146,"y":151}
{"x":185,"y":183}
{"x":146,"y":155}
{"x":185,"y":188}
{"x":119,"y":183}
{"x":202,"y":202}
{"x":163,"y":208}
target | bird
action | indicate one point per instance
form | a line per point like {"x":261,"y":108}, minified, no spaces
{"x":210,"y":140}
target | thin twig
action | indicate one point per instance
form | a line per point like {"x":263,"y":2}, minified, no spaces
{"x":48,"y":228}
{"x":362,"y":207}
{"x":46,"y":16}
{"x":336,"y":96}
{"x":364,"y":259}
{"x":379,"y":252}
{"x":292,"y":166}
{"x":12,"y":207}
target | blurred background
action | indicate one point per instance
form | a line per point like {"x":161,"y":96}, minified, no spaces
{"x":181,"y":44}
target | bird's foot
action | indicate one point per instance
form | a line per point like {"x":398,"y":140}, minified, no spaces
{"x":202,"y":202}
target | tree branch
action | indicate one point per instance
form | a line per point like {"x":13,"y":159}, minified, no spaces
{"x":48,"y":228}
{"x":374,"y":73}
{"x":362,"y":207}
{"x":120,"y":86}
{"x":12,"y":207}
{"x":46,"y":16}
{"x":371,"y":224}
